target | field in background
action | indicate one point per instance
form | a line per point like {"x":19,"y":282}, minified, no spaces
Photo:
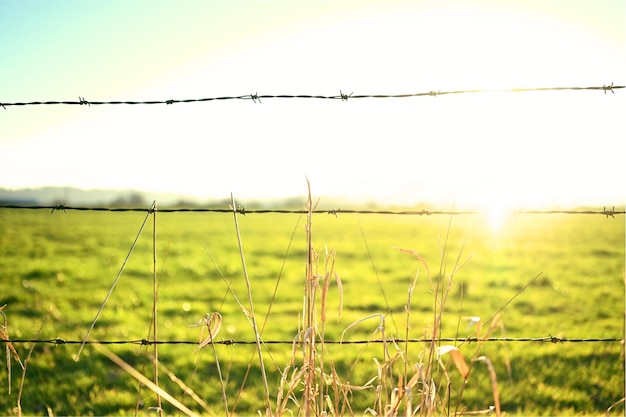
{"x":62,"y":265}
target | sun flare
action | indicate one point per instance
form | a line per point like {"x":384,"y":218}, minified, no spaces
{"x":497,"y":217}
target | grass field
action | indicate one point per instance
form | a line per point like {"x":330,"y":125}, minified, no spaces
{"x":56,"y":270}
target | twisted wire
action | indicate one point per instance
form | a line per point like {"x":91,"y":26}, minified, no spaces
{"x":82,"y":101}
{"x":229,"y":342}
{"x":608,"y":212}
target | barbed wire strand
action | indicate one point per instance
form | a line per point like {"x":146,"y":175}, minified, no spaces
{"x":242,"y":210}
{"x":82,"y":101}
{"x":146,"y":342}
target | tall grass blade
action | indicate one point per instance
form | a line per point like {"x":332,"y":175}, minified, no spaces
{"x":408,"y":325}
{"x":378,"y":280}
{"x":187,"y":390}
{"x":248,"y":317}
{"x":309,"y":311}
{"x":257,"y":336}
{"x":154,"y":304}
{"x":280,"y":275}
{"x":142,"y":379}
{"x":381,"y":320}
{"x":416,"y":256}
{"x":10,"y":349}
{"x":494,"y":383}
{"x":30,"y":352}
{"x":608,"y":410}
{"x":509,"y":301}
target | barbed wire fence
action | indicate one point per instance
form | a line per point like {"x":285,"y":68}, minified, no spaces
{"x":344,"y":97}
{"x":58,"y":208}
{"x":230,"y":342}
{"x":257,"y":98}
{"x":608,"y":212}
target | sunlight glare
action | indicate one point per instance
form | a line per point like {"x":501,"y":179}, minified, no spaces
{"x":497,"y":217}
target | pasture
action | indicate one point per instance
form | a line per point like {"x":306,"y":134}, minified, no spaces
{"x":539,"y":276}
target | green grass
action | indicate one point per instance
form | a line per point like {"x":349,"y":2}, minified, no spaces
{"x":62,"y":265}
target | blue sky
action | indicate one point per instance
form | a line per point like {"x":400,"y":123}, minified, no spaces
{"x":520,"y":150}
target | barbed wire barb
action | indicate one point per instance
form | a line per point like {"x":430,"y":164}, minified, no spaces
{"x":609,"y":213}
{"x":345,"y":97}
{"x":255,"y":97}
{"x":59,"y":207}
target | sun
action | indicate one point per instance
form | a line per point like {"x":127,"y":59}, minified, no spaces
{"x":496,"y":203}
{"x":497,"y":217}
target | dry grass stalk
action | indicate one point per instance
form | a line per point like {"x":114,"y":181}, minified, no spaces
{"x":286,"y":391}
{"x":494,"y":383}
{"x":480,"y":358}
{"x":329,"y":272}
{"x":457,"y":359}
{"x":323,"y":391}
{"x":142,"y":379}
{"x":186,"y":389}
{"x":248,"y":315}
{"x":309,"y":313}
{"x":213,"y":323}
{"x":416,"y":391}
{"x":496,"y":322}
{"x":430,"y":396}
{"x":608,"y":410}
{"x":154,"y":305}
{"x":255,"y":328}
{"x":423,"y":376}
{"x":26,"y":361}
{"x":10,"y":349}
{"x":414,"y":379}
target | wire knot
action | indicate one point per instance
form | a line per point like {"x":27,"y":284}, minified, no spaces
{"x":344,"y":97}
{"x":82,"y":101}
{"x":241,"y":210}
{"x":254,"y":97}
{"x":555,"y":339}
{"x":434,"y":93}
{"x":145,"y":342}
{"x":608,"y":88}
{"x":609,"y":213}
{"x":59,"y":207}
{"x":170,"y":101}
{"x":59,"y":341}
{"x":2,"y":105}
{"x":334,"y":212}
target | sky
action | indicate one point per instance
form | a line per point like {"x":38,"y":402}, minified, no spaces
{"x":514,"y":150}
